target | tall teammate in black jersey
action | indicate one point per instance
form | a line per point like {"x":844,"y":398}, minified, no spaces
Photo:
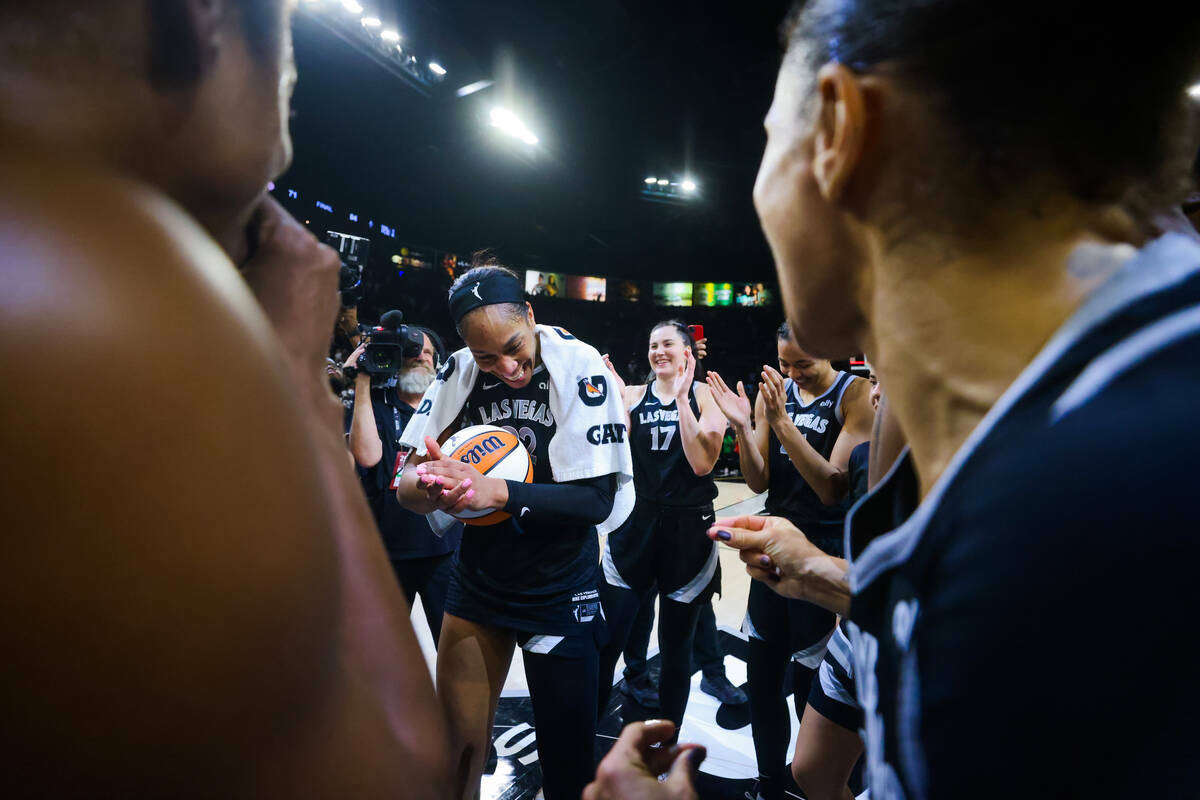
{"x":675,"y":436}
{"x":798,"y":451}
{"x":529,"y":580}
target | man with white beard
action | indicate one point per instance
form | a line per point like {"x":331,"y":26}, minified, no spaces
{"x":420,"y":558}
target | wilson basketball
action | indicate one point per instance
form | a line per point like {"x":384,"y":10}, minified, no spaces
{"x":494,"y":452}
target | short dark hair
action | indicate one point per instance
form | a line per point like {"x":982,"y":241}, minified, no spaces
{"x":784,"y":331}
{"x":984,"y":67}
{"x":483,"y":264}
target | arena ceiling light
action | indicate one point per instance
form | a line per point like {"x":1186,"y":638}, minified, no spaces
{"x":472,"y":88}
{"x":1194,"y":91}
{"x":375,"y":39}
{"x":664,"y":190}
{"x":508,"y":123}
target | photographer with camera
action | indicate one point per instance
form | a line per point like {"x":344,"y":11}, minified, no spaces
{"x":392,"y":367}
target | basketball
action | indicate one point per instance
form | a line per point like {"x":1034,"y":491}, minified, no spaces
{"x":495,"y":452}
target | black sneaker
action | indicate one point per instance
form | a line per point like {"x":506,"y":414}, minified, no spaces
{"x":720,"y":688}
{"x":641,"y":691}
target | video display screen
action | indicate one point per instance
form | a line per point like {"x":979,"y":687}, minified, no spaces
{"x":583,"y":287}
{"x":673,"y":294}
{"x":754,"y":294}
{"x":545,"y":284}
{"x":712,"y":294}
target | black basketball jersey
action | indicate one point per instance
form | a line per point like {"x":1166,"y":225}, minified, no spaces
{"x":788,"y":495}
{"x":1062,"y":531}
{"x":661,"y":472}
{"x":522,"y":568}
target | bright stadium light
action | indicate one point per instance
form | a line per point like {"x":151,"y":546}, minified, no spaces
{"x":650,"y":181}
{"x":389,"y":36}
{"x":1194,"y":91}
{"x":371,"y":22}
{"x":508,"y":123}
{"x":688,"y":185}
{"x":436,"y":68}
{"x":353,"y":6}
{"x":663,"y":181}
{"x":472,"y":88}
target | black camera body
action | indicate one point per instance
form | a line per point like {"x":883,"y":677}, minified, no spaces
{"x":390,"y":343}
{"x":354,"y":252}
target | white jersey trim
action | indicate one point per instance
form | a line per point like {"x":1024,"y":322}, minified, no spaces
{"x":541,"y":644}
{"x":1117,"y":360}
{"x":837,"y":401}
{"x":688,"y":593}
{"x":610,"y":567}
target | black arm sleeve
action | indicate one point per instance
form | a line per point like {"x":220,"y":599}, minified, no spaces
{"x":587,"y":501}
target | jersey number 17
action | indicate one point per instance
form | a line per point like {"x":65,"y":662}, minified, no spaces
{"x":661,"y":444}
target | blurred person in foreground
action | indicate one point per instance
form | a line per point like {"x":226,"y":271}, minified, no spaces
{"x":419,"y":557}
{"x":197,"y":601}
{"x":946,"y":188}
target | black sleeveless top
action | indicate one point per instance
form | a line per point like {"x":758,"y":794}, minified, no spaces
{"x":661,"y":472}
{"x":788,"y":495}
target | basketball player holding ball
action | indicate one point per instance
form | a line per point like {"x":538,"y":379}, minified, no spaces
{"x":527,"y":576}
{"x":675,"y":437}
{"x":798,"y":451}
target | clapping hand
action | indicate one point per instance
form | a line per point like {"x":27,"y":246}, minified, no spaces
{"x":734,"y":405}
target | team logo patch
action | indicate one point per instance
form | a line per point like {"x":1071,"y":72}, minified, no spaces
{"x":585,"y":612}
{"x":593,"y":391}
{"x":826,"y":403}
{"x":447,"y":370}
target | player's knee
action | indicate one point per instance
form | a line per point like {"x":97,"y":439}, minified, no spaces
{"x":814,"y":778}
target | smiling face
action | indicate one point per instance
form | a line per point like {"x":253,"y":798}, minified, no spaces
{"x":666,"y":353}
{"x":503,"y":344}
{"x":810,"y":374}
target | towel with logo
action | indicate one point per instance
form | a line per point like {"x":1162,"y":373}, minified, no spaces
{"x":591,"y":439}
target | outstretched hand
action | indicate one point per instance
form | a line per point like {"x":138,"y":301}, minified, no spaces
{"x":630,"y":770}
{"x":774,"y":551}
{"x":735,"y":406}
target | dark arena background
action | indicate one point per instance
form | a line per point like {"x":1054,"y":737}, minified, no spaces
{"x":605,"y":151}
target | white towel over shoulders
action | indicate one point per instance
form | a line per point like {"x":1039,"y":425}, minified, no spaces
{"x":591,"y":439}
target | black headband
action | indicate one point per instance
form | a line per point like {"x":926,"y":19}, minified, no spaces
{"x":493,"y":288}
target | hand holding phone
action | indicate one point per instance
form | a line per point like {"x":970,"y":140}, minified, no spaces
{"x":697,"y":334}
